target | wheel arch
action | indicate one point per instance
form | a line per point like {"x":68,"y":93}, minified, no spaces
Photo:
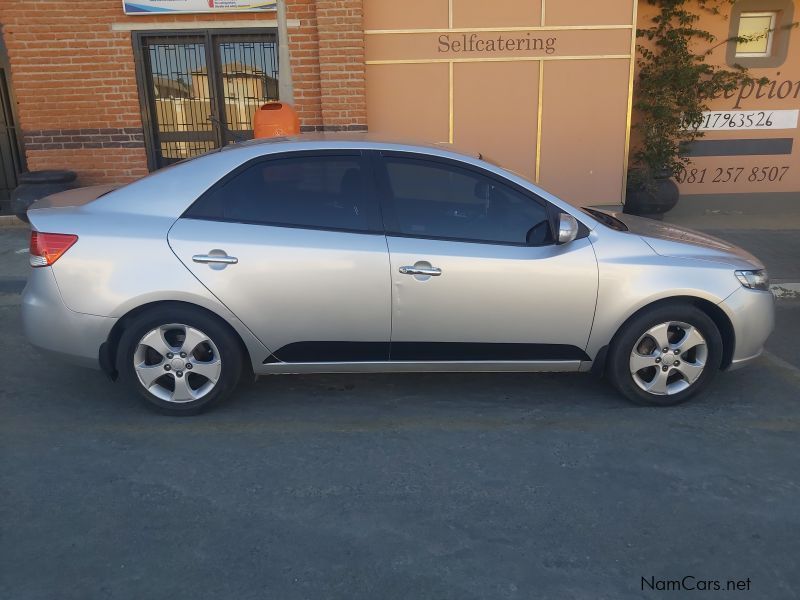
{"x":713,"y":311}
{"x":109,"y":348}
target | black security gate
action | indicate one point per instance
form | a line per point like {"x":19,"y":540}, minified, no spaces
{"x":199,"y":90}
{"x":11,"y":161}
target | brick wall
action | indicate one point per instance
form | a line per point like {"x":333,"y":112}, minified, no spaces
{"x":75,"y":83}
{"x":304,"y":50}
{"x":341,"y":60}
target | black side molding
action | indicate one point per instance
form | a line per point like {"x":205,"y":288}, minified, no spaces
{"x":328,"y":351}
{"x":321,"y":352}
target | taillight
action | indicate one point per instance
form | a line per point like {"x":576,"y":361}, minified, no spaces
{"x":47,"y":248}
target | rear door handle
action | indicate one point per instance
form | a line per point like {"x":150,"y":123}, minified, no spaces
{"x":430,"y":271}
{"x":215,"y":258}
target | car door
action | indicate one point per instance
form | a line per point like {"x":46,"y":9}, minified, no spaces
{"x":293,"y":245}
{"x":476,"y":274}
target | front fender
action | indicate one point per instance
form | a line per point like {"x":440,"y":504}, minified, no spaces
{"x":632,"y":277}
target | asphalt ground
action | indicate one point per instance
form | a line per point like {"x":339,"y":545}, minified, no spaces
{"x":395,"y":486}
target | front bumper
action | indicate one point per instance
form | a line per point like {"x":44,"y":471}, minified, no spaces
{"x":56,"y":330}
{"x":752,"y":314}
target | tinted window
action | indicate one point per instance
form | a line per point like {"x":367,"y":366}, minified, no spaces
{"x":432,"y":199}
{"x":307,"y":191}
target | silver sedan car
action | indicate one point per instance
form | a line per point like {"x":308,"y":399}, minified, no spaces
{"x":337,"y":254}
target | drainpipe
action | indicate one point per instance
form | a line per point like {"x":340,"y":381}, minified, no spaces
{"x":285,"y":86}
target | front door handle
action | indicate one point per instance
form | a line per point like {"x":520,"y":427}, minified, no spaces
{"x":215,"y":258}
{"x":429,"y":271}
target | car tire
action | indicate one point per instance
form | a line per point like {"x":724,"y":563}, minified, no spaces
{"x":149,"y":359}
{"x":693,"y":355}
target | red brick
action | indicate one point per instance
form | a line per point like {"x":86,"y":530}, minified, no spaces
{"x":71,"y":72}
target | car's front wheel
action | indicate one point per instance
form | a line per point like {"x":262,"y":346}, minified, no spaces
{"x":665,"y":355}
{"x":179,"y":359}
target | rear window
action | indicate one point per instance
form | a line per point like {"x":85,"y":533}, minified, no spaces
{"x":327,"y":192}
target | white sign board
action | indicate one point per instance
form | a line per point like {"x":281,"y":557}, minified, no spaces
{"x":736,"y":120}
{"x":150,"y":7}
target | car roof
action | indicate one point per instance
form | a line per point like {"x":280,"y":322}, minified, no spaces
{"x":169,"y":191}
{"x":349,"y":139}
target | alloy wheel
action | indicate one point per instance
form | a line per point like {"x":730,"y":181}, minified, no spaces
{"x":177,"y":363}
{"x":668,"y":358}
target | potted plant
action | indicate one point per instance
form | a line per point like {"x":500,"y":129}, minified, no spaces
{"x":674,"y":86}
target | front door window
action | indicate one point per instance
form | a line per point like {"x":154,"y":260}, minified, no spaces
{"x":439,"y":200}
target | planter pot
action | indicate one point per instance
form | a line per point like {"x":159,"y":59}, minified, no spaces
{"x":652,"y":201}
{"x":35,"y":185}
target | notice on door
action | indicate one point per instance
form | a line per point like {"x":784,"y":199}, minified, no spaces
{"x":149,"y":7}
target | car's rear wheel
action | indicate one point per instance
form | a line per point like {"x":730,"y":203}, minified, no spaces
{"x":665,"y":355}
{"x":180,"y":360}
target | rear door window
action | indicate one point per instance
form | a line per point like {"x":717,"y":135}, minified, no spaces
{"x":329,"y":191}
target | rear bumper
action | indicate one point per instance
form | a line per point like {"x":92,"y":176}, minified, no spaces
{"x":752,"y":315}
{"x":56,"y":330}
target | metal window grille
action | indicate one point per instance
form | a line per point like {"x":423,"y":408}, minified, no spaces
{"x":200,"y":90}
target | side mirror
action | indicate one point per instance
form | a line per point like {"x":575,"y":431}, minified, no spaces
{"x":567,"y":228}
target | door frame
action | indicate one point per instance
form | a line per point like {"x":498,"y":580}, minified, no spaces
{"x":343,"y":351}
{"x":146,"y":99}
{"x":453,"y":356}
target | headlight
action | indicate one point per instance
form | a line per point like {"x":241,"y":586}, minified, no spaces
{"x":755,"y":280}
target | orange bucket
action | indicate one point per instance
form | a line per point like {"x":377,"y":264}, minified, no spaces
{"x":275,"y":119}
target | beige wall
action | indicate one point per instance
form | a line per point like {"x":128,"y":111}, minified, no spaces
{"x":541,"y":87}
{"x":748,"y":173}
